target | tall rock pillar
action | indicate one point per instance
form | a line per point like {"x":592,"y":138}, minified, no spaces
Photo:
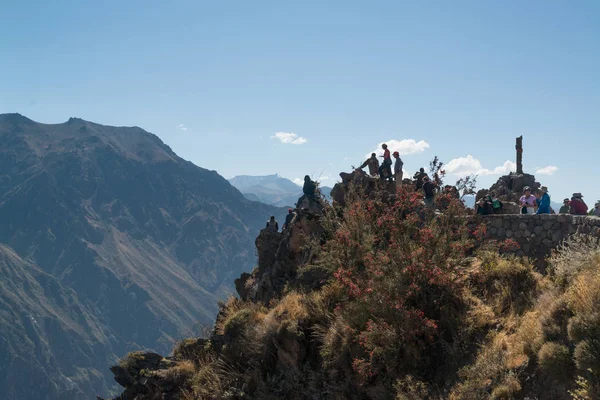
{"x":519,"y":148}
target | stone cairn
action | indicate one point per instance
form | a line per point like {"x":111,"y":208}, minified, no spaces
{"x":509,"y":188}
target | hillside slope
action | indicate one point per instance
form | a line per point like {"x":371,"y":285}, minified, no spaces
{"x":380,"y":297}
{"x":111,"y":243}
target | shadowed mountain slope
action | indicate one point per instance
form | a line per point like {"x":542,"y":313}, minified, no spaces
{"x":110,"y":242}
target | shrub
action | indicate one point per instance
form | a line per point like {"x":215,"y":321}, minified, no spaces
{"x":555,"y":360}
{"x":574,"y":255}
{"x":507,"y":390}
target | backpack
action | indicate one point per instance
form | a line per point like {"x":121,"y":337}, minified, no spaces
{"x":272,"y":225}
{"x":496,"y":203}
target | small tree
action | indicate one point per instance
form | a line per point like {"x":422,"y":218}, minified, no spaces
{"x":466,"y":185}
{"x":436,"y":172}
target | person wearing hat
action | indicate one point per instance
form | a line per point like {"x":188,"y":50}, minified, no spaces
{"x":544,"y":206}
{"x":565,"y":207}
{"x":578,"y":206}
{"x":527,"y":201}
{"x":398,"y":169}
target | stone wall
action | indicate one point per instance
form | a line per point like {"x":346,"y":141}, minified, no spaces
{"x":537,"y":235}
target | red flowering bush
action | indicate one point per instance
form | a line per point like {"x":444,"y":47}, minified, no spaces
{"x":398,"y":264}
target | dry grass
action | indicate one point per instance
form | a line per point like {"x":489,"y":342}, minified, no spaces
{"x":574,"y":255}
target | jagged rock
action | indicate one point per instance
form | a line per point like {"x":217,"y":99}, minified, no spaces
{"x":510,"y":187}
{"x":314,"y":204}
{"x":280,"y":254}
{"x":368,"y":185}
{"x":144,"y":376}
{"x":241,"y":285}
{"x":267,"y":244}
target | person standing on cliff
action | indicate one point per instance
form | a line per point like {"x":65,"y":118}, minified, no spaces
{"x":288,"y":219}
{"x":578,"y":206}
{"x":310,"y":187}
{"x":527,"y":201}
{"x":566,"y":207}
{"x":419,"y":178}
{"x":386,"y":165}
{"x":272,"y":224}
{"x":544,"y":206}
{"x":372,"y":163}
{"x":398,"y":169}
{"x":429,"y":191}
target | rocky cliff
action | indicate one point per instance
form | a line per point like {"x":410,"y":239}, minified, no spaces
{"x":110,"y":243}
{"x":381,"y":297}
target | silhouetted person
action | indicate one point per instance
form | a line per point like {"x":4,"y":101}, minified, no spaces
{"x":386,"y":165}
{"x":272,"y":224}
{"x":289,"y":218}
{"x":373,"y":164}
{"x":428,"y":191}
{"x":310,"y":187}
{"x":418,"y":177}
{"x":398,"y":164}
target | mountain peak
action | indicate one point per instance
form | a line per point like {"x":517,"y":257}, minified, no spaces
{"x":15,"y":118}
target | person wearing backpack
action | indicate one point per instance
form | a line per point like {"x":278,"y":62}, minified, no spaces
{"x":372,"y":163}
{"x":398,"y":169}
{"x":272,"y":224}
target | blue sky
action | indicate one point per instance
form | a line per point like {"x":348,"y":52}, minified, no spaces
{"x":218,"y":80}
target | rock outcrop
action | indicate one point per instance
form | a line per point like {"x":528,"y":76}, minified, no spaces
{"x":364,"y":183}
{"x":281,"y":253}
{"x":509,"y":189}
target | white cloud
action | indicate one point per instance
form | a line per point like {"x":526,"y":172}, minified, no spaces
{"x":549,"y":170}
{"x":404,"y":147}
{"x":298,"y":181}
{"x":289,"y":138}
{"x":182,"y":127}
{"x":470,"y":165}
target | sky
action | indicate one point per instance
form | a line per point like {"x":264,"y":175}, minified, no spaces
{"x":311,"y":87}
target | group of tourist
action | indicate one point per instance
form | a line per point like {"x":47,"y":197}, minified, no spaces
{"x":577,"y":206}
{"x":537,"y":202}
{"x":384,"y":171}
{"x":531,"y":202}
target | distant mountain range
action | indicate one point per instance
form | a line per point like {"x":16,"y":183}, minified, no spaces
{"x":271,"y":189}
{"x":109,"y":242}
